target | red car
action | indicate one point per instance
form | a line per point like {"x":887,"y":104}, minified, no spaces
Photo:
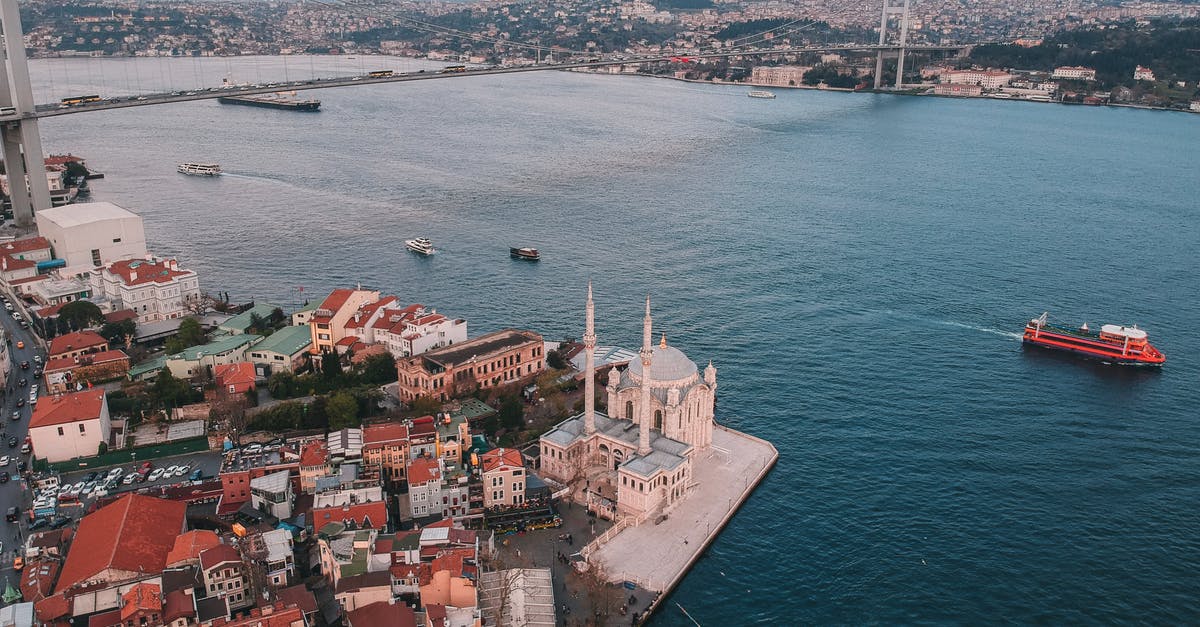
{"x":146,"y":465}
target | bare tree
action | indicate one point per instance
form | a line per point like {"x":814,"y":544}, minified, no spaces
{"x":503,"y":575}
{"x":201,"y":303}
{"x":603,"y":596}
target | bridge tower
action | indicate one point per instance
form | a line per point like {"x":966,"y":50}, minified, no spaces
{"x":890,"y":8}
{"x":23,"y":159}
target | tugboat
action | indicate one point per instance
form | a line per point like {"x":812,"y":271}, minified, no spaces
{"x":420,"y":245}
{"x":199,"y":169}
{"x":1113,"y":343}
{"x":528,"y":254}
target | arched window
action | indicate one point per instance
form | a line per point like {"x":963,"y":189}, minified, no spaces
{"x":628,"y":410}
{"x":658,"y":419}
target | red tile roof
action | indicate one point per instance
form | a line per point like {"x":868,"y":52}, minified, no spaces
{"x":51,"y":608}
{"x":457,"y":561}
{"x":13,"y":264}
{"x":37,"y":580}
{"x":67,"y":408}
{"x":381,"y":434}
{"x":238,"y":373}
{"x":77,"y":341}
{"x":140,"y":271}
{"x":143,"y":597}
{"x":189,"y":546}
{"x":178,"y":605}
{"x":501,"y":457}
{"x":68,"y":363}
{"x":314,"y":453}
{"x":135,"y":534}
{"x":276,"y":615}
{"x":332,"y":303}
{"x":118,"y":316}
{"x":18,"y":246}
{"x":299,"y":596}
{"x":372,"y":514}
{"x":111,"y":618}
{"x":382,"y":613}
{"x":217,"y":555}
{"x":422,"y":470}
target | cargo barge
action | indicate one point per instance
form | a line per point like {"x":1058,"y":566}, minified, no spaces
{"x":273,"y":101}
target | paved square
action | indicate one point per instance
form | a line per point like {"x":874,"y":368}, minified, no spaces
{"x":655,"y":555}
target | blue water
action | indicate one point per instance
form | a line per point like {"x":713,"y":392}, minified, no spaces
{"x":858,"y":267}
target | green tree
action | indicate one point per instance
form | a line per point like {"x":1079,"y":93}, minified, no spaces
{"x":190,"y":333}
{"x":379,"y":369}
{"x":554,"y":360}
{"x":168,"y":391}
{"x":257,"y":323}
{"x":282,"y":385}
{"x":425,"y":406}
{"x":115,"y":332}
{"x":512,"y":412}
{"x":342,"y":409}
{"x":331,"y":366}
{"x":81,"y":314}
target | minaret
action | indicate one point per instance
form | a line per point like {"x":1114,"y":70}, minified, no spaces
{"x":647,"y":354}
{"x":589,"y":381}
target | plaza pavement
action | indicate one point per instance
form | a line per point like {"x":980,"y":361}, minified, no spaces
{"x":657,"y":555}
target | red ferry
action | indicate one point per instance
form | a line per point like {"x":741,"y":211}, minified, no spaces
{"x":1114,"y":343}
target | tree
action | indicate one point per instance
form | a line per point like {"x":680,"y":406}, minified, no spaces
{"x":116,"y":332}
{"x":102,"y":448}
{"x":342,"y":409}
{"x":282,"y":385}
{"x":257,"y":323}
{"x":379,"y":369}
{"x":555,"y":361}
{"x":191,"y":333}
{"x":604,"y":596}
{"x":168,"y":391}
{"x":331,"y":366}
{"x":200,"y":304}
{"x":512,"y":412}
{"x":81,"y":314}
{"x":425,"y":406}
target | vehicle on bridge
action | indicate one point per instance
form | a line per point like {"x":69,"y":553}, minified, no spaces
{"x":381,"y":74}
{"x":453,"y":69}
{"x":75,"y":100}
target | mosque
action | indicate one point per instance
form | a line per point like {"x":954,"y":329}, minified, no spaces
{"x":637,"y":459}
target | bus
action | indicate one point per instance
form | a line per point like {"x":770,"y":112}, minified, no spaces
{"x":74,"y":100}
{"x":454,"y":68}
{"x":381,"y":74}
{"x":520,"y":519}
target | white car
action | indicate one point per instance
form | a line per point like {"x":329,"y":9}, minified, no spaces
{"x":88,"y":488}
{"x":130,"y":478}
{"x":156,"y":475}
{"x":37,"y":359}
{"x":6,"y":460}
{"x":115,"y":472}
{"x":182,"y":470}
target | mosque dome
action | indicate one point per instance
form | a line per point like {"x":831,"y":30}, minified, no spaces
{"x":667,"y":364}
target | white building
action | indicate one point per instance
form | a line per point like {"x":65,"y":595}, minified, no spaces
{"x":90,"y":235}
{"x":156,"y":289}
{"x":54,"y":289}
{"x":436,"y":488}
{"x":781,"y":75}
{"x":987,"y":79}
{"x":404,"y":330}
{"x":1143,"y":74}
{"x":272,"y":494}
{"x":69,"y":426}
{"x":279,"y":564}
{"x":1073,"y":72}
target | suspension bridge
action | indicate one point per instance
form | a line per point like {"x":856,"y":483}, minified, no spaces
{"x":19,"y":114}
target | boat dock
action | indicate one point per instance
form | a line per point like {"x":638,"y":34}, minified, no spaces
{"x":657,"y":555}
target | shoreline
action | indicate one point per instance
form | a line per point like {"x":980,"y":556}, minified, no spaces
{"x":904,"y":93}
{"x":702,"y":548}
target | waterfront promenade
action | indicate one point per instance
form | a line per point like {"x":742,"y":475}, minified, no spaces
{"x":657,"y":556}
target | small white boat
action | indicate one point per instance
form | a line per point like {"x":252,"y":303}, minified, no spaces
{"x":760,"y":93}
{"x":420,"y":245}
{"x":199,"y":169}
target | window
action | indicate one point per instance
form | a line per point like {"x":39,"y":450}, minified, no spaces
{"x":658,"y":419}
{"x":628,"y":410}
{"x":81,"y":430}
{"x":96,"y":257}
{"x":60,"y":431}
{"x":116,"y":240}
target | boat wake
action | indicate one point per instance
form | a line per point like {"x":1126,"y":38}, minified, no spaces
{"x":1002,"y":333}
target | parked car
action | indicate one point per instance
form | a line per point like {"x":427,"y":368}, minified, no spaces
{"x":147,"y":465}
{"x":4,"y":476}
{"x":5,"y":460}
{"x":59,"y":522}
{"x":21,"y":465}
{"x":24,"y":365}
{"x":13,"y":514}
{"x":22,"y":383}
{"x":16,"y":415}
{"x":40,"y":523}
{"x":20,"y":344}
{"x":88,"y":488}
{"x":130,"y":478}
{"x":197,"y":474}
{"x":91,"y":476}
{"x":26,"y":448}
{"x":115,"y":472}
{"x":182,"y":470}
{"x":157,"y":474}
{"x":37,"y":359}
{"x":20,"y":403}
{"x":13,"y":442}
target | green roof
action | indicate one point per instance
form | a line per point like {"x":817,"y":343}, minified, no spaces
{"x":286,"y":341}
{"x":472,"y":409}
{"x":217,"y":347}
{"x":357,"y":564}
{"x":308,"y":307}
{"x":154,"y":365}
{"x":241,"y":322}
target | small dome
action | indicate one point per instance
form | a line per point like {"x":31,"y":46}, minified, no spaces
{"x":667,"y":364}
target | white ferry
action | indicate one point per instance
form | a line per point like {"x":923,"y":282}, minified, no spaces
{"x":420,"y":245}
{"x":760,"y":93}
{"x":200,"y":169}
